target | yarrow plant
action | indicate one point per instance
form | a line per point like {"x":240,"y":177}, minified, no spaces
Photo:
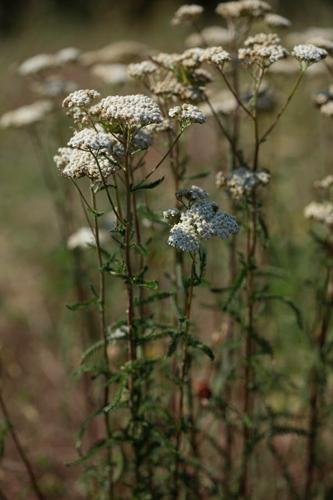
{"x":179,"y":402}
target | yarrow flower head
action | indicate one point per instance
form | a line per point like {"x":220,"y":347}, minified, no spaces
{"x":26,"y":115}
{"x":112,"y":74}
{"x":241,"y":181}
{"x":211,"y":36}
{"x":320,"y":212}
{"x":131,"y":111}
{"x":84,"y":238}
{"x":250,"y":9}
{"x":187,"y":114}
{"x":37,"y":64}
{"x":201,"y":220}
{"x":325,"y":183}
{"x":187,"y":14}
{"x":276,"y":21}
{"x":308,"y":54}
{"x":97,"y":141}
{"x":76,"y":104}
{"x":262,"y":49}
{"x":141,"y":70}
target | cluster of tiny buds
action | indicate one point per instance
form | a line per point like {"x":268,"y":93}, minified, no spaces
{"x":242,"y":181}
{"x":325,"y":183}
{"x":26,"y":116}
{"x":187,"y":114}
{"x":250,"y":9}
{"x":44,"y":62}
{"x":276,"y":21}
{"x":132,"y":111}
{"x":142,"y":69}
{"x":84,"y":238}
{"x":187,"y":14}
{"x":77,"y":102}
{"x":320,"y":212}
{"x":263,"y":49}
{"x":201,"y":220}
{"x":308,"y":54}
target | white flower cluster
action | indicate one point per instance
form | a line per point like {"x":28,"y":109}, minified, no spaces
{"x":325,"y":183}
{"x":142,"y":70}
{"x":96,"y":141}
{"x":243,"y":9}
{"x":187,"y":114}
{"x":309,"y":54}
{"x":84,"y":238}
{"x":211,"y":36}
{"x":54,"y":87}
{"x":276,"y":21}
{"x":323,"y":43}
{"x":186,"y":14}
{"x":44,"y":62}
{"x":112,"y":74}
{"x":262,"y":49}
{"x":193,"y":58}
{"x":320,"y":212}
{"x":75,"y":163}
{"x":242,"y":181}
{"x":134,"y":111}
{"x":200,"y":221}
{"x":77,"y":102}
{"x":324,"y":100}
{"x":26,"y":115}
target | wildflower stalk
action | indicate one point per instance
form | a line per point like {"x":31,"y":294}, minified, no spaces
{"x":103,"y":335}
{"x":284,"y":107}
{"x":184,"y":373}
{"x":132,"y":350}
{"x":23,"y":456}
{"x":317,"y":385}
{"x":251,"y":248}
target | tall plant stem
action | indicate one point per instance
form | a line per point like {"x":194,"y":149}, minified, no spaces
{"x":23,"y":456}
{"x":103,"y":335}
{"x":182,"y":380}
{"x":283,"y":109}
{"x":132,"y":350}
{"x":316,"y":388}
{"x":251,"y":247}
{"x":229,"y":357}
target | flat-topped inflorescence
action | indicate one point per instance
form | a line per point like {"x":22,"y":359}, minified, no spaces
{"x":200,"y":220}
{"x":77,"y":104}
{"x":276,"y":21}
{"x":320,"y":212}
{"x":129,"y":111}
{"x":241,"y":182}
{"x":251,"y":9}
{"x":84,"y":238}
{"x":75,"y":163}
{"x":187,"y":114}
{"x":263,"y":49}
{"x":186,"y":14}
{"x":26,"y":115}
{"x":309,"y":54}
{"x":325,"y":183}
{"x":142,"y":69}
{"x":212,"y":36}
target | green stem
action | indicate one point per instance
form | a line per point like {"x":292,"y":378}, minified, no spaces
{"x":103,"y":335}
{"x":283,"y":109}
{"x":183,"y":376}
